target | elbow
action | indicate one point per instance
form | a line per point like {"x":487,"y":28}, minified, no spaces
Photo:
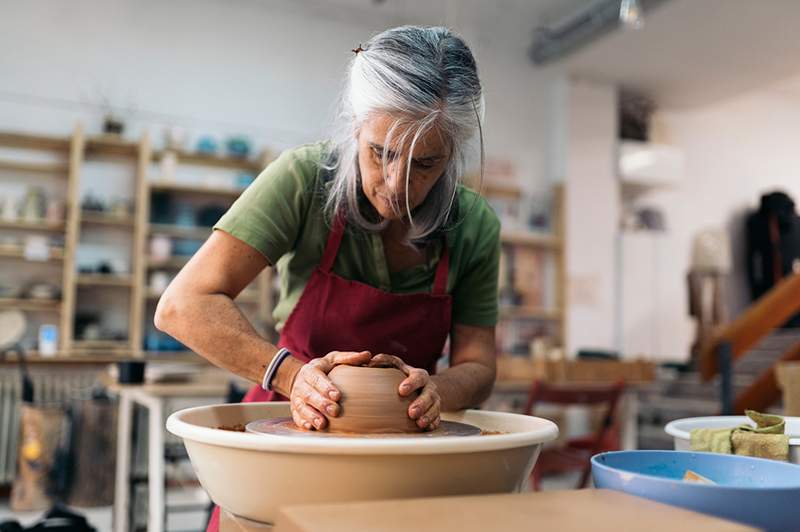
{"x":167,"y":312}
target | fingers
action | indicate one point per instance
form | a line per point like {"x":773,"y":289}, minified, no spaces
{"x":431,"y":419}
{"x":421,"y":406}
{"x":309,"y":416}
{"x":417,"y":378}
{"x":351,"y":358}
{"x":315,"y":376}
{"x":326,"y":406}
{"x":383,"y":360}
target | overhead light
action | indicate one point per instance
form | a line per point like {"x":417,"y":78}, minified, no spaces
{"x":631,"y":15}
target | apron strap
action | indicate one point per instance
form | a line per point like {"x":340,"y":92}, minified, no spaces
{"x":332,"y":246}
{"x":442,"y":271}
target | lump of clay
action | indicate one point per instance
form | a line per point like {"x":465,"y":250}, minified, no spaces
{"x":370,"y":401}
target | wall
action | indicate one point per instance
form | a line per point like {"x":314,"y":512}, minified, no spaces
{"x":735,"y":151}
{"x":592,"y":208}
{"x":270,"y":70}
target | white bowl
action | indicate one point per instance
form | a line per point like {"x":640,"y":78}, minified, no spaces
{"x":253,"y":475}
{"x":680,"y":429}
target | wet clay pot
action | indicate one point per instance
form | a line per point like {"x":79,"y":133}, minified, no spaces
{"x":370,"y":401}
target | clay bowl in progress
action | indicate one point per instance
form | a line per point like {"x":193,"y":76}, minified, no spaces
{"x":370,"y":401}
{"x":253,"y":475}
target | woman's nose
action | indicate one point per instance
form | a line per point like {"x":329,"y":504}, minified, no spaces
{"x":396,"y":178}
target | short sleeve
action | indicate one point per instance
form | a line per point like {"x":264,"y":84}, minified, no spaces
{"x":269,"y":214}
{"x":475,"y":300}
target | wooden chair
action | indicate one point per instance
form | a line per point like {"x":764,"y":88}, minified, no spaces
{"x":576,"y":453}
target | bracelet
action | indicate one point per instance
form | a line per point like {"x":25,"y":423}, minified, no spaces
{"x":272,"y":369}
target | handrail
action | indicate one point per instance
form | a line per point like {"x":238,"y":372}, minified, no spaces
{"x":766,"y":314}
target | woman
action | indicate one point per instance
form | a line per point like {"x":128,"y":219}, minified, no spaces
{"x":380,"y":249}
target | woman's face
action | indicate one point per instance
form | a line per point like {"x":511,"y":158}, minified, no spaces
{"x":387,"y":190}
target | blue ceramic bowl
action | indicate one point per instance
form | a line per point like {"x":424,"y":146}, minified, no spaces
{"x":753,"y":491}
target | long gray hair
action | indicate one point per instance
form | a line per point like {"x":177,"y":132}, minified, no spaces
{"x":424,"y":78}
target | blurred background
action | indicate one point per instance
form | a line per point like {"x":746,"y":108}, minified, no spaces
{"x":641,"y":156}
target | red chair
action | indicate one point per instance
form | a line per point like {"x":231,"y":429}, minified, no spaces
{"x":576,"y":453}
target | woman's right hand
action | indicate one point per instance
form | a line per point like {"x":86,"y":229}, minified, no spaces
{"x":314,"y":397}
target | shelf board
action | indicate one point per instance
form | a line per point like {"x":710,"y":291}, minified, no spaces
{"x":33,"y":142}
{"x":163,"y":186}
{"x":179,"y":231}
{"x":174,"y":263}
{"x":503,"y":190}
{"x":95,"y":218}
{"x":97,"y":345}
{"x":34,"y":167}
{"x":531,"y":239}
{"x":33,"y":226}
{"x":204,"y":159}
{"x":18,"y":252}
{"x":98,"y":279}
{"x":110,"y":146}
{"x":33,"y":305}
{"x":530,"y":313}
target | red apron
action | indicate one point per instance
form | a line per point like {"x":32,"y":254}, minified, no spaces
{"x":334,"y":314}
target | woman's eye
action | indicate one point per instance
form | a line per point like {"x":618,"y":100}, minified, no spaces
{"x":425,"y":165}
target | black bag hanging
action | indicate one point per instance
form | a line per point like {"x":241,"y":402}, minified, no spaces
{"x":773,"y":245}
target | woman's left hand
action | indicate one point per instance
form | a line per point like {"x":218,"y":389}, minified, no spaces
{"x":425,"y":409}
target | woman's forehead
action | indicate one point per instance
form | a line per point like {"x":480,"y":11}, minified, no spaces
{"x":376,"y":128}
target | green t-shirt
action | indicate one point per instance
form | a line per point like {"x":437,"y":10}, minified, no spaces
{"x":281,"y":215}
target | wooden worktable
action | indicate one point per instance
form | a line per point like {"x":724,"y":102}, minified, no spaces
{"x":589,"y":510}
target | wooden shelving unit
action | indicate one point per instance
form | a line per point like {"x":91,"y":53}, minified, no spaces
{"x":77,"y":150}
{"x":549,"y":247}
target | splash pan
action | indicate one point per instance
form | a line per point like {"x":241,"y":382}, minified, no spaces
{"x":253,"y":475}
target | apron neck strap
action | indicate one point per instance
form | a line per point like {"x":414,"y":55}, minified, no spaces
{"x":335,"y":239}
{"x":442,"y":271}
{"x":332,"y":246}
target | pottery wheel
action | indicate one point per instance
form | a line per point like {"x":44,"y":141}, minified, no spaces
{"x":284,"y":426}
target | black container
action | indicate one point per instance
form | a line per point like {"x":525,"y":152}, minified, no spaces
{"x":130,"y":371}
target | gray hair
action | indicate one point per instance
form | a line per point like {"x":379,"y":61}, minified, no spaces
{"x":425,"y":78}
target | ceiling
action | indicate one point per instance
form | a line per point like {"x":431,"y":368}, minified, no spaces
{"x":693,"y":52}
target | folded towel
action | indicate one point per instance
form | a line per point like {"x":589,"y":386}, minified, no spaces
{"x":765,"y":440}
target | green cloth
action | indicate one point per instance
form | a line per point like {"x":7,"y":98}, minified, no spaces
{"x":765,"y":440}
{"x":281,"y":215}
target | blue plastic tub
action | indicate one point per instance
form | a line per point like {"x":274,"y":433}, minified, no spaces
{"x":753,"y":491}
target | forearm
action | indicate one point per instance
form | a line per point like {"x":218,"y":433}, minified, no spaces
{"x":464,"y":385}
{"x":214,"y":327}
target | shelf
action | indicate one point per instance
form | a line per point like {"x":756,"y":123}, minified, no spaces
{"x":97,"y":279}
{"x":97,"y":345}
{"x":34,"y":167}
{"x":95,"y":218}
{"x":204,"y":159}
{"x":33,"y":305}
{"x":529,"y":238}
{"x":110,"y":146}
{"x":530,"y":313}
{"x":33,"y":226}
{"x":174,"y":263}
{"x":230,"y":192}
{"x":33,"y":142}
{"x":18,"y":252}
{"x":503,"y":190}
{"x":179,"y":231}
